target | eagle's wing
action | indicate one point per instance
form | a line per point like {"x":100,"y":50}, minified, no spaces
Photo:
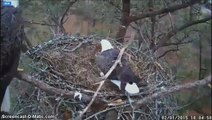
{"x":10,"y":45}
{"x":105,"y":61}
{"x":124,"y":73}
{"x":11,"y":39}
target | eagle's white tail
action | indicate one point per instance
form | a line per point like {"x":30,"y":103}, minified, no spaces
{"x":117,"y":82}
{"x":129,"y":88}
{"x":6,"y":101}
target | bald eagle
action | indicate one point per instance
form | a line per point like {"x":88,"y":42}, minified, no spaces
{"x":10,"y":45}
{"x":122,"y":76}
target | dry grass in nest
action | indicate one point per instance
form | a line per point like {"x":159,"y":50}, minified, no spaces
{"x":68,"y":63}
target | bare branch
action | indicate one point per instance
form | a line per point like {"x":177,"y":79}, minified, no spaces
{"x":118,"y":61}
{"x":59,"y":20}
{"x":75,"y":48}
{"x":153,"y":21}
{"x":193,"y":23}
{"x":113,"y":4}
{"x":200,"y":59}
{"x":124,"y":21}
{"x":170,"y":50}
{"x":174,"y":89}
{"x":108,"y":109}
{"x":176,"y":30}
{"x":177,"y":43}
{"x":164,"y":10}
{"x":32,"y":22}
{"x":47,"y":88}
{"x":65,"y":12}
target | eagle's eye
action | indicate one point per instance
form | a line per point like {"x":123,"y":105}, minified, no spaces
{"x":131,"y":83}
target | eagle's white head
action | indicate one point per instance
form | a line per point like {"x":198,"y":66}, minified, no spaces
{"x":106,"y":45}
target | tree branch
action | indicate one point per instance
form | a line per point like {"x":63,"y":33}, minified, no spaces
{"x":164,"y":10}
{"x":118,"y":61}
{"x":32,"y":22}
{"x":177,"y":43}
{"x":153,"y":21}
{"x":176,"y":30}
{"x":49,"y":89}
{"x":170,"y":50}
{"x":200,"y":58}
{"x":124,"y":21}
{"x":174,"y":89}
{"x":113,"y":4}
{"x":65,"y":12}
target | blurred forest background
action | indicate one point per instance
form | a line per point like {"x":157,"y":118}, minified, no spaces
{"x":181,"y":35}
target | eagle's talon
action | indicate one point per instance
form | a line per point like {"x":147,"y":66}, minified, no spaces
{"x":209,"y":85}
{"x":102,"y":74}
{"x":120,"y":63}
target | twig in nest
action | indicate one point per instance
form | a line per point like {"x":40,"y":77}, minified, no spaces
{"x":72,"y":50}
{"x":78,"y":46}
{"x":118,"y":61}
{"x":149,"y":98}
{"x":47,"y":88}
{"x":116,"y":107}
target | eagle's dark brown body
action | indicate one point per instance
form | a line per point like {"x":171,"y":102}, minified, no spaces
{"x":124,"y":73}
{"x":10,"y":45}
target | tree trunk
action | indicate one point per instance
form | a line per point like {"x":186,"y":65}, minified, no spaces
{"x":153,"y":21}
{"x":125,"y":21}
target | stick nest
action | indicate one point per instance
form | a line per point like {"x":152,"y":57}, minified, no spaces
{"x":68,"y":63}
